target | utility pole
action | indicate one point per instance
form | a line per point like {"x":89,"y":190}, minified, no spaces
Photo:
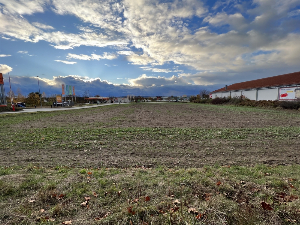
{"x":39,"y":91}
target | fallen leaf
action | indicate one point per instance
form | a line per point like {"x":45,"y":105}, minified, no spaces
{"x":147,"y":199}
{"x":53,"y":195}
{"x":291,"y":186}
{"x":67,"y":222}
{"x":199,"y":216}
{"x":130,"y":211}
{"x":32,"y":201}
{"x":95,"y":194}
{"x":266,"y":206}
{"x":193,"y":211}
{"x":61,"y":196}
{"x":174,"y":209}
{"x":293,"y":197}
{"x":42,"y":210}
{"x":176,"y":202}
{"x":219,"y":183}
{"x":89,"y":173}
{"x":87,"y":198}
{"x":207,"y":196}
{"x":119,"y":193}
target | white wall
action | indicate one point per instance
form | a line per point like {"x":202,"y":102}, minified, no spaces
{"x":268,"y":94}
{"x":250,"y":94}
{"x":225,"y":94}
{"x":263,"y":94}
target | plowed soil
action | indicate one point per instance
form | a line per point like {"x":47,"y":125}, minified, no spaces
{"x":153,"y":134}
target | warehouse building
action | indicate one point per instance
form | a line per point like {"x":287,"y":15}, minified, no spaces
{"x":283,"y":87}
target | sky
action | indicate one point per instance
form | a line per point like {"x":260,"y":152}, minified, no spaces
{"x":145,"y":47}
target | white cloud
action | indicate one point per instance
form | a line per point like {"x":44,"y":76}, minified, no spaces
{"x":264,"y":37}
{"x":105,"y":55}
{"x":143,"y":59}
{"x":24,"y":7}
{"x":148,"y":81}
{"x":158,"y":70}
{"x":23,"y":52}
{"x":5,"y":68}
{"x":125,"y":52}
{"x":65,"y":62}
{"x":2,"y":55}
{"x":42,"y":26}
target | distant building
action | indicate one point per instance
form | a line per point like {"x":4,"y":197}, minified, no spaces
{"x":283,"y":87}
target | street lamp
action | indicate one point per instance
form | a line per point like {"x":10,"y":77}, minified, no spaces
{"x":39,"y":90}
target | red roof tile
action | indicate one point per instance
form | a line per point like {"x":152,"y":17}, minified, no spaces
{"x":281,"y":80}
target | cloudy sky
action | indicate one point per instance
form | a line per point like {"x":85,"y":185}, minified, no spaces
{"x":146,"y":47}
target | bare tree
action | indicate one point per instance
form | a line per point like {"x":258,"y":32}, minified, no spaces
{"x":204,"y":93}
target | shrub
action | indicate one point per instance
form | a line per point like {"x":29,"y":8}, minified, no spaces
{"x":235,"y":100}
{"x":218,"y":101}
{"x":289,"y":104}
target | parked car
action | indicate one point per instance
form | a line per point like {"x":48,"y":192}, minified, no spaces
{"x":21,"y":104}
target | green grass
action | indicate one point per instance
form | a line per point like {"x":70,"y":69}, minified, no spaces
{"x":157,"y":196}
{"x":147,"y":175}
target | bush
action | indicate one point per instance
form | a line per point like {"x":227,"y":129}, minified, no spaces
{"x":236,"y":100}
{"x":219,"y":101}
{"x":289,"y":104}
{"x":205,"y":100}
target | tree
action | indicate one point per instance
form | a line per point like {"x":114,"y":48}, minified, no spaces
{"x":20,"y":97}
{"x":204,"y":93}
{"x":33,"y":99}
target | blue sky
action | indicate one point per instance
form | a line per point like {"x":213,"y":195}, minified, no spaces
{"x":146,"y":47}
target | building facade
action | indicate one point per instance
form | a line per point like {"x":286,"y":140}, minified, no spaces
{"x":283,"y":87}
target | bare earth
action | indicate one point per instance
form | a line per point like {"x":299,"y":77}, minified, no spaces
{"x":169,"y":134}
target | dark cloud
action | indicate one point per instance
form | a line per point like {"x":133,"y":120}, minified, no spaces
{"x":98,"y":87}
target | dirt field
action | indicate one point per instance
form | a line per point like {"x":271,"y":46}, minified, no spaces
{"x":170,"y":134}
{"x":172,"y":163}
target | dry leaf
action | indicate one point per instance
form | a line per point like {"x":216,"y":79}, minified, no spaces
{"x":206,"y":196}
{"x":266,"y":206}
{"x":61,"y":196}
{"x":193,"y":211}
{"x":89,"y":173}
{"x":84,"y":204}
{"x":42,"y":210}
{"x":87,"y":198}
{"x":219,"y":183}
{"x":147,"y":199}
{"x":67,"y":222}
{"x":176,"y":202}
{"x":32,"y":201}
{"x":95,"y":194}
{"x":174,"y":209}
{"x":199,"y":216}
{"x":119,"y":193}
{"x":130,"y":211}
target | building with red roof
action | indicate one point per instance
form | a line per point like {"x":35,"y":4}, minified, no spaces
{"x":282,"y":87}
